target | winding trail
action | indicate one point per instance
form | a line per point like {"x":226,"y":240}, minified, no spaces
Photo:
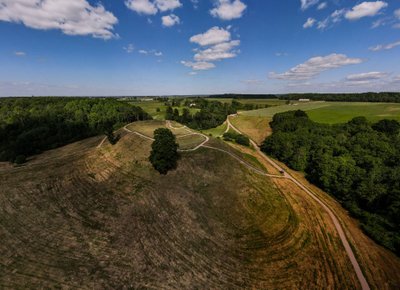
{"x":286,"y":175}
{"x":203,"y":144}
{"x":342,"y":235}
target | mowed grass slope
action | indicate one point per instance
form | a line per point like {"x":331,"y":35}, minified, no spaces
{"x":334,"y":112}
{"x":103,"y":218}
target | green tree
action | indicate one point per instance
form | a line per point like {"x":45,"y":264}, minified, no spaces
{"x":176,"y":115}
{"x":164,"y":154}
{"x":169,"y":113}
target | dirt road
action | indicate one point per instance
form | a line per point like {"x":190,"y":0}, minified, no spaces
{"x":349,"y":251}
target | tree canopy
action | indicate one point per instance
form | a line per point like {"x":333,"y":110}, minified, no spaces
{"x":30,"y":125}
{"x":164,"y":155}
{"x":357,"y":162}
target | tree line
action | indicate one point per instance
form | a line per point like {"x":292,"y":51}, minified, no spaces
{"x":212,"y":114}
{"x":382,"y":97}
{"x":357,"y":162}
{"x":30,"y":125}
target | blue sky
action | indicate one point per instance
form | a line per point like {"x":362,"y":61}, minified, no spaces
{"x":163,"y":47}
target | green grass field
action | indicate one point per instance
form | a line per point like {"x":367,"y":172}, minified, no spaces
{"x":215,"y":132}
{"x":151,"y":108}
{"x":262,"y":102}
{"x":343,"y":112}
{"x":335,"y":112}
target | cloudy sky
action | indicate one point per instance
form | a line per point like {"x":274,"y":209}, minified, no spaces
{"x":153,"y":47}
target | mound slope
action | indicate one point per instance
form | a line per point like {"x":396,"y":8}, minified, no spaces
{"x":88,"y":217}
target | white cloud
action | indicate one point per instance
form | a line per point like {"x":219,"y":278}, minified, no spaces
{"x":367,"y":76}
{"x":195,"y":3}
{"x":149,"y":7}
{"x":335,"y":17}
{"x":202,"y":65}
{"x":281,"y":54}
{"x":365,"y":9}
{"x":305,"y":4}
{"x":129,"y":48}
{"x":214,"y":35}
{"x":150,"y":52}
{"x":170,"y":20}
{"x":218,"y":52}
{"x":309,"y":23}
{"x":397,"y":13}
{"x":142,"y":6}
{"x":19,"y":53}
{"x":322,"y":6}
{"x":385,"y":46}
{"x":396,"y":26}
{"x":72,"y":17}
{"x":165,"y":5}
{"x":315,"y":66}
{"x":228,"y":9}
{"x":252,"y":82}
{"x":219,"y":46}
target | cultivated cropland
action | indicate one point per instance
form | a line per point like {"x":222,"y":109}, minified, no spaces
{"x":91,"y":212}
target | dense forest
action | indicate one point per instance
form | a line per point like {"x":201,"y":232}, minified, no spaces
{"x":212,"y":114}
{"x":31,"y":125}
{"x":357,"y":162}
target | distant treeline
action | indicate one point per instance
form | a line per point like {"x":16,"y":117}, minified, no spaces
{"x":244,"y":96}
{"x":347,"y":97}
{"x":357,"y":162}
{"x":212,"y":113}
{"x":30,"y":125}
{"x":362,"y":97}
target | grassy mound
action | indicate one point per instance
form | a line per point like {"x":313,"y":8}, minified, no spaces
{"x":87,"y":217}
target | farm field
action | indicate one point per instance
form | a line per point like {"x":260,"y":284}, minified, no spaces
{"x":334,"y":112}
{"x":151,"y":108}
{"x":89,"y":217}
{"x":261,"y":102}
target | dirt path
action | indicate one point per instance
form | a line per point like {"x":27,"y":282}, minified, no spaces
{"x":203,"y":144}
{"x":349,"y":251}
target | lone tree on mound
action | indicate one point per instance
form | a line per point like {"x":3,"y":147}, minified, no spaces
{"x":164,"y":154}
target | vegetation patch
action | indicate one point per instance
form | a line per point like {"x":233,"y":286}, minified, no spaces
{"x":238,"y":138}
{"x":29,"y":126}
{"x":164,"y":154}
{"x":357,"y":162}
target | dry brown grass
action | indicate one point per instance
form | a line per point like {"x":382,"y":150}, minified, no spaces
{"x":82,"y":217}
{"x":257,"y":128}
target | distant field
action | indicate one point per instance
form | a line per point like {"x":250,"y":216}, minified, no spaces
{"x":270,"y":102}
{"x":343,"y":112}
{"x":335,"y":112}
{"x":151,"y":108}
